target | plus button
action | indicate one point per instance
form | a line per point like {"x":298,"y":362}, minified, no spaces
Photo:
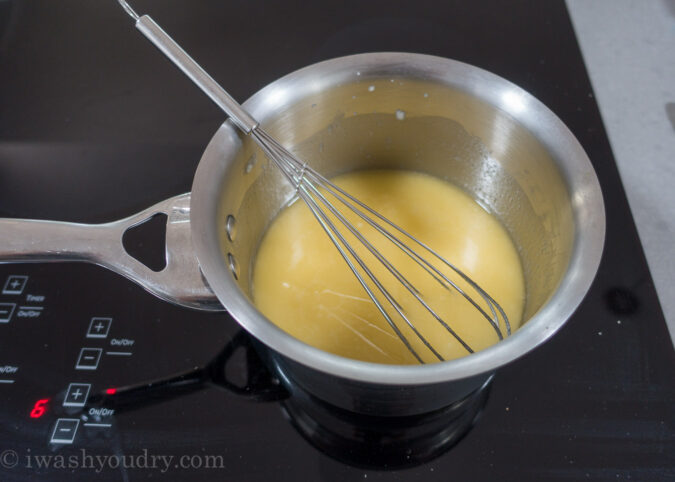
{"x":99,"y":327}
{"x":76,"y":395}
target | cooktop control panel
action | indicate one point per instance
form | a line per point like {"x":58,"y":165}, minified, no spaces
{"x":62,"y":345}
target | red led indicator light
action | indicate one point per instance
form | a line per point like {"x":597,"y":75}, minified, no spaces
{"x":110,"y":391}
{"x":39,"y":408}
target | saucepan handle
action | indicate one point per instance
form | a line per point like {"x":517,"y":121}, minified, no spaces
{"x":180,"y":282}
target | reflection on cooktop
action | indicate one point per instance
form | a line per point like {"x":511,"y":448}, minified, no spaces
{"x":384,"y":443}
{"x":388,"y":443}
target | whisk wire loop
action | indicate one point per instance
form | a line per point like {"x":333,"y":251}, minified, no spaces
{"x":310,"y":187}
{"x":432,"y":270}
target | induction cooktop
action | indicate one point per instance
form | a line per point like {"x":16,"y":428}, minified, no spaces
{"x":100,"y":379}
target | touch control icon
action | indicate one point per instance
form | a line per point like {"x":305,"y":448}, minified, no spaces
{"x":88,"y":359}
{"x":99,"y":327}
{"x":6,"y":312}
{"x":77,"y":395}
{"x":14,"y":285}
{"x":65,"y":430}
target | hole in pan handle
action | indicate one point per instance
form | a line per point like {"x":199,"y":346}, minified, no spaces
{"x":180,"y":282}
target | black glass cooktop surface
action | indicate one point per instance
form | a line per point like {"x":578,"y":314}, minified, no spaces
{"x":96,"y":125}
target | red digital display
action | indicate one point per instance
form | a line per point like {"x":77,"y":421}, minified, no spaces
{"x":39,"y":408}
{"x":110,"y":391}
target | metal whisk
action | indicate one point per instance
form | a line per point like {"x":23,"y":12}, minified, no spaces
{"x":328,"y":203}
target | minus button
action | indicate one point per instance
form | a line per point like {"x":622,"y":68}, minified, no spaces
{"x":65,"y":430}
{"x":6,"y":311}
{"x":88,"y":359}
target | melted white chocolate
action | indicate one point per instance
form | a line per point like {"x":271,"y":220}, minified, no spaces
{"x":303,"y":285}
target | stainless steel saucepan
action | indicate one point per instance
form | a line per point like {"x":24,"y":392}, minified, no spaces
{"x":396,"y":110}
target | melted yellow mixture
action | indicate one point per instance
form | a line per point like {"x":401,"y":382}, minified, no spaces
{"x":302,"y":283}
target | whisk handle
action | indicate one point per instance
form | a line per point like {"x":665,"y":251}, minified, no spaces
{"x":204,"y":81}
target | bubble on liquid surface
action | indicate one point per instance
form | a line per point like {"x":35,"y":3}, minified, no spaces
{"x":400,"y":115}
{"x":250,"y":164}
{"x":371,"y":88}
{"x":426,"y":95}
